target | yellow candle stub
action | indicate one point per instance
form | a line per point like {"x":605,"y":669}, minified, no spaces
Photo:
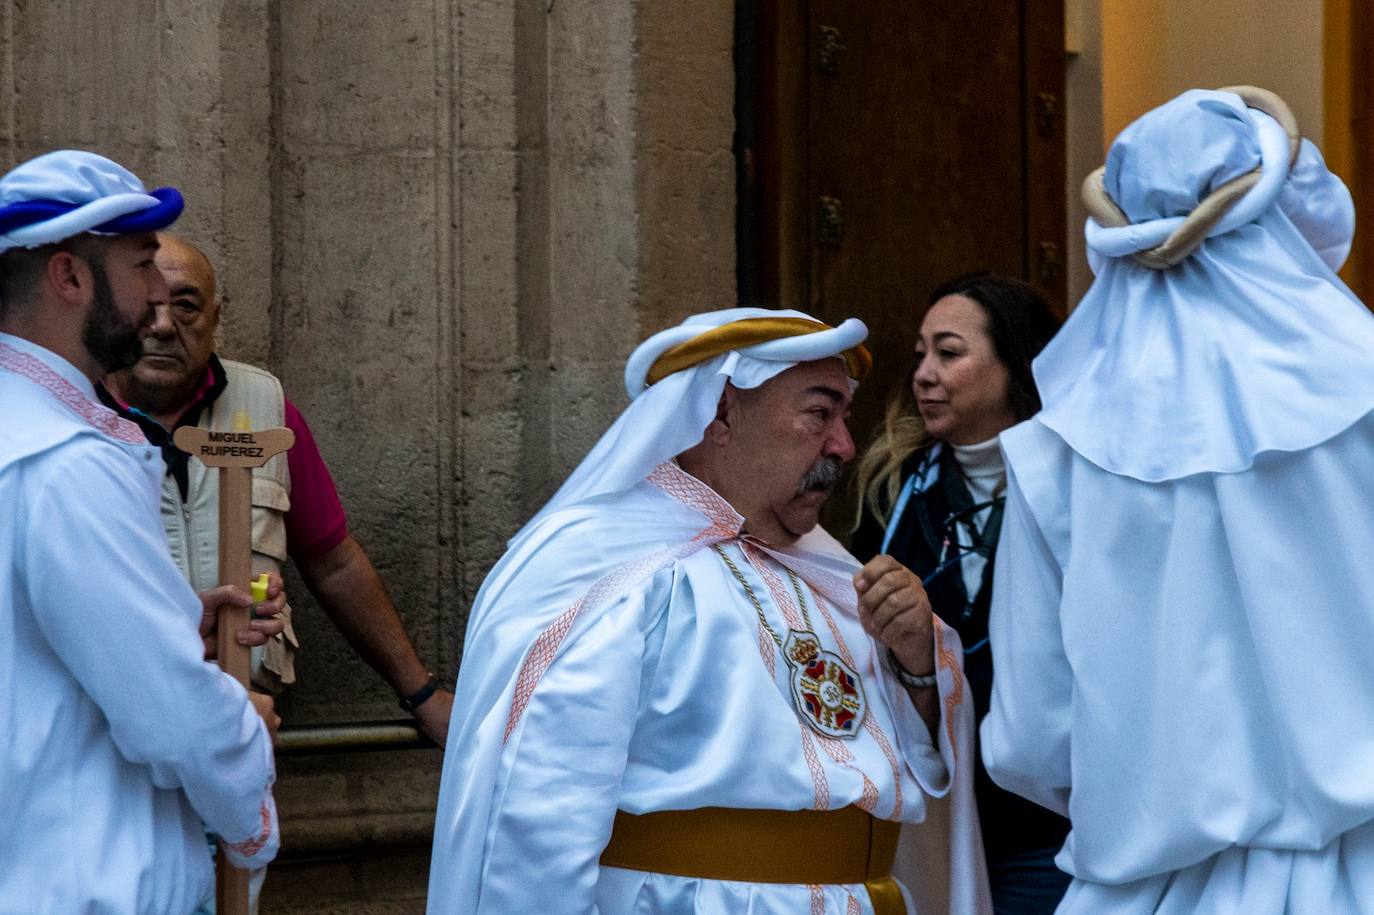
{"x":258,"y":589}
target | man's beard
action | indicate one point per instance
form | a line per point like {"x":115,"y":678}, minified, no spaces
{"x":823,"y":475}
{"x":111,"y":339}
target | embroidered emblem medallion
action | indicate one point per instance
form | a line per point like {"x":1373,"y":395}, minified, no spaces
{"x":827,"y":691}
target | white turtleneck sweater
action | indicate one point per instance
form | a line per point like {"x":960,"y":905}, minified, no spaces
{"x":986,"y":477}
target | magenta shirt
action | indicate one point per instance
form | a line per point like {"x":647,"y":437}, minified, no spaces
{"x":316,"y":522}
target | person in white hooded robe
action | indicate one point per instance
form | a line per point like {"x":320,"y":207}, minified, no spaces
{"x":1183,"y":617}
{"x":664,"y":709}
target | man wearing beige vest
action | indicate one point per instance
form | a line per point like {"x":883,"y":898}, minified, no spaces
{"x":296,"y":511}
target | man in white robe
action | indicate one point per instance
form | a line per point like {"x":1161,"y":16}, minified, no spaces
{"x":678,"y":695}
{"x":1183,"y":623}
{"x":120,"y":739}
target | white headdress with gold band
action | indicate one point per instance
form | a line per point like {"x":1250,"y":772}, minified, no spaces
{"x":676,"y":377}
{"x":755,"y":333}
{"x":1217,"y":329}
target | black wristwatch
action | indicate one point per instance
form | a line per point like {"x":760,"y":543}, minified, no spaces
{"x":420,"y":696}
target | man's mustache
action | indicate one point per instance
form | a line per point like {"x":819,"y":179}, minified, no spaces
{"x":824,"y":475}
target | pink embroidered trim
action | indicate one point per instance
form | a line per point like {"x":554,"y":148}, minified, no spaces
{"x":538,"y":661}
{"x":97,"y":415}
{"x":876,"y":732}
{"x":768,"y":651}
{"x":673,"y":481}
{"x":868,"y":798}
{"x":723,"y":523}
{"x":837,"y":751}
{"x":819,"y":783}
{"x":834,"y":748}
{"x":817,"y":898}
{"x":948,"y":661}
{"x":870,"y":725}
{"x":781,"y":596}
{"x":546,"y":645}
{"x":251,"y":847}
{"x":852,"y":907}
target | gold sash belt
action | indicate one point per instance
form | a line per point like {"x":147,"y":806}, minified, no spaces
{"x":763,"y":846}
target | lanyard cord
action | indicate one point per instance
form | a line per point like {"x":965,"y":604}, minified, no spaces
{"x":898,"y":509}
{"x":910,"y":488}
{"x":954,"y":560}
{"x":753,"y":598}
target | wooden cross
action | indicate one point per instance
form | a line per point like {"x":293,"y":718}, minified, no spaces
{"x":235,"y":454}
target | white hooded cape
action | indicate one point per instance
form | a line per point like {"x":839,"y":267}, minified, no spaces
{"x":1183,"y":611}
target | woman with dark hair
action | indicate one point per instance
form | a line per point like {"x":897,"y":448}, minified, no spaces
{"x":931,"y":493}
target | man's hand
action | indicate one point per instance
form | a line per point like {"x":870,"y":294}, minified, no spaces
{"x":895,"y":611}
{"x":266,"y":623}
{"x":266,"y":709}
{"x":433,"y":715}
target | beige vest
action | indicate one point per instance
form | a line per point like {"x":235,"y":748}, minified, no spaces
{"x":252,"y":399}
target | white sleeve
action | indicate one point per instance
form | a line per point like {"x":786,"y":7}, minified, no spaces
{"x":121,"y":618}
{"x":561,"y":771}
{"x":1025,"y":736}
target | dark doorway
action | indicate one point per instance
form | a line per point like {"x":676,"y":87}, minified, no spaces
{"x":884,"y":147}
{"x":1361,"y":95}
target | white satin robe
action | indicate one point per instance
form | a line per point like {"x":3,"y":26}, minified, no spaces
{"x":670,"y":697}
{"x":1186,"y":670}
{"x":121,"y":744}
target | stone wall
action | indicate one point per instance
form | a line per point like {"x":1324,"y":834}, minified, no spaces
{"x":443,"y":224}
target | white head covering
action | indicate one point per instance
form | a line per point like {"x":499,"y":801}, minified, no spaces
{"x":667,"y":418}
{"x":68,"y":192}
{"x":1249,"y":344}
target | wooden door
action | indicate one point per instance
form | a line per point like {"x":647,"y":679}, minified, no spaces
{"x":887,"y":146}
{"x":1347,"y":141}
{"x":1361,"y":81}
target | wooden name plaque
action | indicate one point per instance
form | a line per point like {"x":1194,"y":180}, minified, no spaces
{"x":233,"y":449}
